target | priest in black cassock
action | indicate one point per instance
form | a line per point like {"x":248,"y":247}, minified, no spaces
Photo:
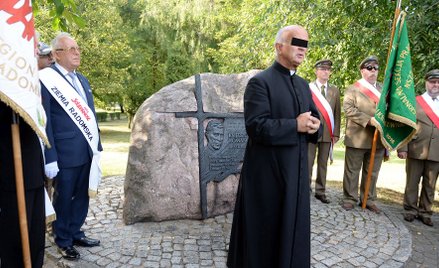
{"x":271,"y":223}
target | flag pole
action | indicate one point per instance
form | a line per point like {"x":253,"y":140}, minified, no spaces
{"x":18,"y":165}
{"x":375,"y":134}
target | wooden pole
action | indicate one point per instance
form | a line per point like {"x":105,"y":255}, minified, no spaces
{"x":22,"y":216}
{"x":370,"y":168}
{"x":375,"y":135}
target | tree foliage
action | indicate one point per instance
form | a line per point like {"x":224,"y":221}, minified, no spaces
{"x":344,"y":31}
{"x":104,"y":46}
{"x":63,"y":13}
{"x":132,"y":48}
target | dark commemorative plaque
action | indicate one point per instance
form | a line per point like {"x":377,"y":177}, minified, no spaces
{"x":221,"y":144}
{"x":225,"y":147}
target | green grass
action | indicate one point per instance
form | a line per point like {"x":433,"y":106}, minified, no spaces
{"x":115,"y":136}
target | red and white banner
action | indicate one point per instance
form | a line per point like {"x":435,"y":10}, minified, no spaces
{"x":427,"y":105}
{"x":19,"y":84}
{"x":369,"y":90}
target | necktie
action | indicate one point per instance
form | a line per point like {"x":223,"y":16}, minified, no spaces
{"x":72,"y":75}
{"x":323,"y":91}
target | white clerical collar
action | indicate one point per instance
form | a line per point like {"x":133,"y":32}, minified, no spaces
{"x":292,"y":72}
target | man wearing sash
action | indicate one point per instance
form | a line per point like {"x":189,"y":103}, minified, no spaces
{"x":327,"y":99}
{"x":72,"y":130}
{"x":359,"y":104}
{"x":422,"y":154}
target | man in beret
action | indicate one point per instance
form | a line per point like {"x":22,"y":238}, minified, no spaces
{"x":422,"y":154}
{"x":359,"y":104}
{"x":45,"y":58}
{"x":327,"y":99}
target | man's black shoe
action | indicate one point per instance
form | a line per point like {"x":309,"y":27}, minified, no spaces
{"x":322,"y":198}
{"x":426,"y":220}
{"x":86,"y":242}
{"x":69,"y":253}
{"x":409,"y":217}
{"x":373,"y":208}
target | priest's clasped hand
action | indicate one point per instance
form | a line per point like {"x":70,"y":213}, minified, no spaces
{"x":307,"y":123}
{"x":313,"y":125}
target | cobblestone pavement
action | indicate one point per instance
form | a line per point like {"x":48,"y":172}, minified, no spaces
{"x":339,"y":238}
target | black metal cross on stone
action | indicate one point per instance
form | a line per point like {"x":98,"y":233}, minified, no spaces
{"x":226,"y":141}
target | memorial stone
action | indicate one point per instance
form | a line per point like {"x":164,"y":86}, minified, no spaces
{"x":187,"y":145}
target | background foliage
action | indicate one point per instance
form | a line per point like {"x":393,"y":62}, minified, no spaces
{"x":132,"y":48}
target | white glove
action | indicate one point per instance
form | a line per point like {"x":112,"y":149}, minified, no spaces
{"x":51,"y":170}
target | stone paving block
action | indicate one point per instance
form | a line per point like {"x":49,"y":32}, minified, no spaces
{"x":106,"y":252}
{"x":113,"y":265}
{"x":190,"y":247}
{"x":191,"y":259}
{"x":151,"y":264}
{"x":124,"y":259}
{"x":167,"y":249}
{"x":205,"y":255}
{"x":319,"y":265}
{"x":192,"y":265}
{"x":135,"y":261}
{"x":90,"y":258}
{"x":220,"y":264}
{"x":153,"y":258}
{"x":103,"y":261}
{"x":204,"y":248}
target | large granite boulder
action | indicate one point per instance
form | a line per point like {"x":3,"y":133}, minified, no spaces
{"x":162,"y":179}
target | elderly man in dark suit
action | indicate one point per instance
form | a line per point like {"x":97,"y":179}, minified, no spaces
{"x":327,"y":99}
{"x":422,"y":154}
{"x":74,"y":144}
{"x":359,"y":104}
{"x":271,"y":223}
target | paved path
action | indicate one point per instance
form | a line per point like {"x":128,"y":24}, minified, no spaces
{"x":339,"y":238}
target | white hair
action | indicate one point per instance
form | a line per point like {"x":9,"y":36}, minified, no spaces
{"x":56,"y":40}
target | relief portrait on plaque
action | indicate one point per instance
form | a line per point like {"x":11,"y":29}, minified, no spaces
{"x":214,"y":134}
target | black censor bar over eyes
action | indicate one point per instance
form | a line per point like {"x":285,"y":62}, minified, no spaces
{"x":299,"y":42}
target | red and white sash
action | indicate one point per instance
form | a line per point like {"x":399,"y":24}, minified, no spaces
{"x":428,"y":106}
{"x":324,"y":107}
{"x":80,"y":113}
{"x":369,"y":90}
{"x":326,"y":111}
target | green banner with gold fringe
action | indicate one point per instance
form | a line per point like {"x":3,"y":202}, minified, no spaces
{"x":395,"y":116}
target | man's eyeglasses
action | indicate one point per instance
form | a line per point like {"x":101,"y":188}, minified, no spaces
{"x":70,"y":49}
{"x":370,"y":68}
